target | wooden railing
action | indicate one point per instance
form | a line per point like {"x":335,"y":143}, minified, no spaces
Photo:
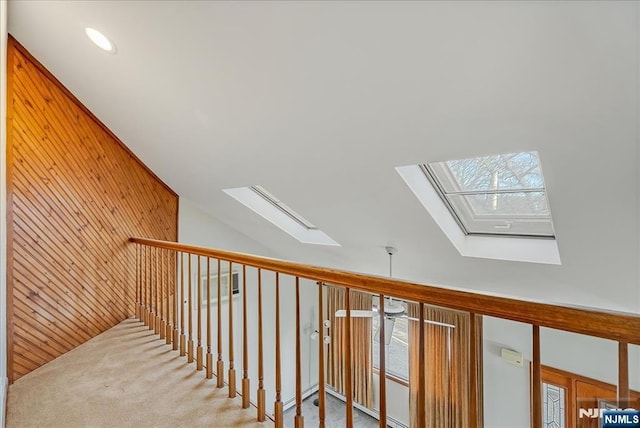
{"x":162,"y":302}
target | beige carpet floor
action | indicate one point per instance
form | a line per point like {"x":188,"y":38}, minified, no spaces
{"x":125,"y":377}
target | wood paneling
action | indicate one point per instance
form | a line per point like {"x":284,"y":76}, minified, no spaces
{"x":76,"y":195}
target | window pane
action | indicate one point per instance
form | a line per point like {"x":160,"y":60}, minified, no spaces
{"x":397,"y":351}
{"x":507,"y":171}
{"x":521,"y":204}
{"x":554,"y":406}
{"x":486,"y":194}
{"x":472,"y":212}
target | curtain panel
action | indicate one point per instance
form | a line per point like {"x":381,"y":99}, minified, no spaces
{"x":361,"y":345}
{"x":446,"y":367}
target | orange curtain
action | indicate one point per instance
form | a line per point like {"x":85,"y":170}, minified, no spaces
{"x":446,"y":367}
{"x":361,"y":346}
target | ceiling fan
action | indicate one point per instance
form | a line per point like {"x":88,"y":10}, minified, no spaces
{"x":393,"y":309}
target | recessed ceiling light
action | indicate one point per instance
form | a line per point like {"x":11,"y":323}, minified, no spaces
{"x":100,"y":40}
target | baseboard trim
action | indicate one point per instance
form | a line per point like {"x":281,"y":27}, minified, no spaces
{"x":391,"y":422}
{"x":305,"y":394}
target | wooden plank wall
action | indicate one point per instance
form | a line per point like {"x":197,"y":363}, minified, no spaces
{"x":75,"y":196}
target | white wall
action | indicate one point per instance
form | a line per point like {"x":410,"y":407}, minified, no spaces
{"x":198,"y":228}
{"x":506,"y":387}
{"x":3,"y":207}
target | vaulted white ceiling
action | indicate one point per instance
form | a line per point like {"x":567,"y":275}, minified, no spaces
{"x":319,"y":101}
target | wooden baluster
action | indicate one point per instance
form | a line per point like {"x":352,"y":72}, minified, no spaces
{"x":421,"y":370}
{"x":163,"y":286}
{"x":278,"y":409}
{"x":137,"y":308}
{"x":145,"y":274}
{"x":190,"y":308}
{"x":261,"y":391}
{"x":199,"y":317}
{"x":139,"y":271}
{"x":209,"y":354}
{"x":299,"y":419}
{"x":152,"y":288}
{"x":167,"y":311}
{"x":348,"y":387}
{"x":141,"y":268}
{"x":624,"y":396}
{"x":176,"y":332}
{"x":382,"y":374}
{"x":220,"y":362}
{"x":473,"y":370}
{"x":149,"y":278}
{"x":321,"y":389}
{"x":157,"y":289}
{"x":536,"y":381}
{"x":183,"y":350}
{"x":232,"y":370}
{"x":246,"y":399}
{"x":162,"y":326}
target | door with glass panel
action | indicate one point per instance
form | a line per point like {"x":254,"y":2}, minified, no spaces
{"x":556,"y":396}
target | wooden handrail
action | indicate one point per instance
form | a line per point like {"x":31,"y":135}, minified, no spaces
{"x":620,"y":326}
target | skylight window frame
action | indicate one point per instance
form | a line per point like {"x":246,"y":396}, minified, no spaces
{"x":433,"y":179}
{"x":270,"y":208}
{"x":263,"y":193}
{"x":495,"y":247}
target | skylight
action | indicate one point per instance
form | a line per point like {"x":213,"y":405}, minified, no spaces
{"x":494,"y":195}
{"x":490,"y":207}
{"x":282,"y":207}
{"x":264,"y":203}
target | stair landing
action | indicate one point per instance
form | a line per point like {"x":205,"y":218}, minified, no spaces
{"x":125,"y":377}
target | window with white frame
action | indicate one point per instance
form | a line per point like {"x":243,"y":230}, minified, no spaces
{"x":495,"y":195}
{"x":397,"y":343}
